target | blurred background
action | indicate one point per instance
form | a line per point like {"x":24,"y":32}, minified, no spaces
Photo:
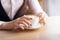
{"x":51,"y":7}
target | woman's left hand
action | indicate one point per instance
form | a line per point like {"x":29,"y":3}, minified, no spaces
{"x":43,"y":17}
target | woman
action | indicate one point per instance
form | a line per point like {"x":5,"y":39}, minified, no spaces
{"x":12,"y":13}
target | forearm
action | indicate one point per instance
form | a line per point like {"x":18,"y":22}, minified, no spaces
{"x":5,"y":25}
{"x":1,"y":23}
{"x":35,"y":6}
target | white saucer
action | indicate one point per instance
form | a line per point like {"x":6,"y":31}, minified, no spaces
{"x":35,"y":27}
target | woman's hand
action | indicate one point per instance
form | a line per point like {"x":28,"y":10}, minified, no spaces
{"x":19,"y":23}
{"x":43,"y":17}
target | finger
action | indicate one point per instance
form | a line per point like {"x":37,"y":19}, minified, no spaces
{"x":26,"y":17}
{"x":27,"y":21}
{"x":24,"y":23}
{"x":22,"y":27}
{"x":16,"y":27}
{"x":41,"y":19}
{"x":39,"y":15}
{"x":42,"y":22}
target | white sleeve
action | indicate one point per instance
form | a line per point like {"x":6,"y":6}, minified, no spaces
{"x":35,"y":6}
{"x":1,"y":22}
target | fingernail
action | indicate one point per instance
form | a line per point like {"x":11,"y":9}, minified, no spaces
{"x":31,"y":18}
{"x":30,"y":24}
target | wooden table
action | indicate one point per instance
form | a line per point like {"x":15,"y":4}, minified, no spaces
{"x":52,"y":28}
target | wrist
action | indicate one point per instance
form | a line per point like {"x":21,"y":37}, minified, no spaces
{"x":4,"y":25}
{"x":1,"y":24}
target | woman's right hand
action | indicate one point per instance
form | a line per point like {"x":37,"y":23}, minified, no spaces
{"x":21,"y":23}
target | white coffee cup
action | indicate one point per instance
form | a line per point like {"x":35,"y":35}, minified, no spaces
{"x":35,"y":22}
